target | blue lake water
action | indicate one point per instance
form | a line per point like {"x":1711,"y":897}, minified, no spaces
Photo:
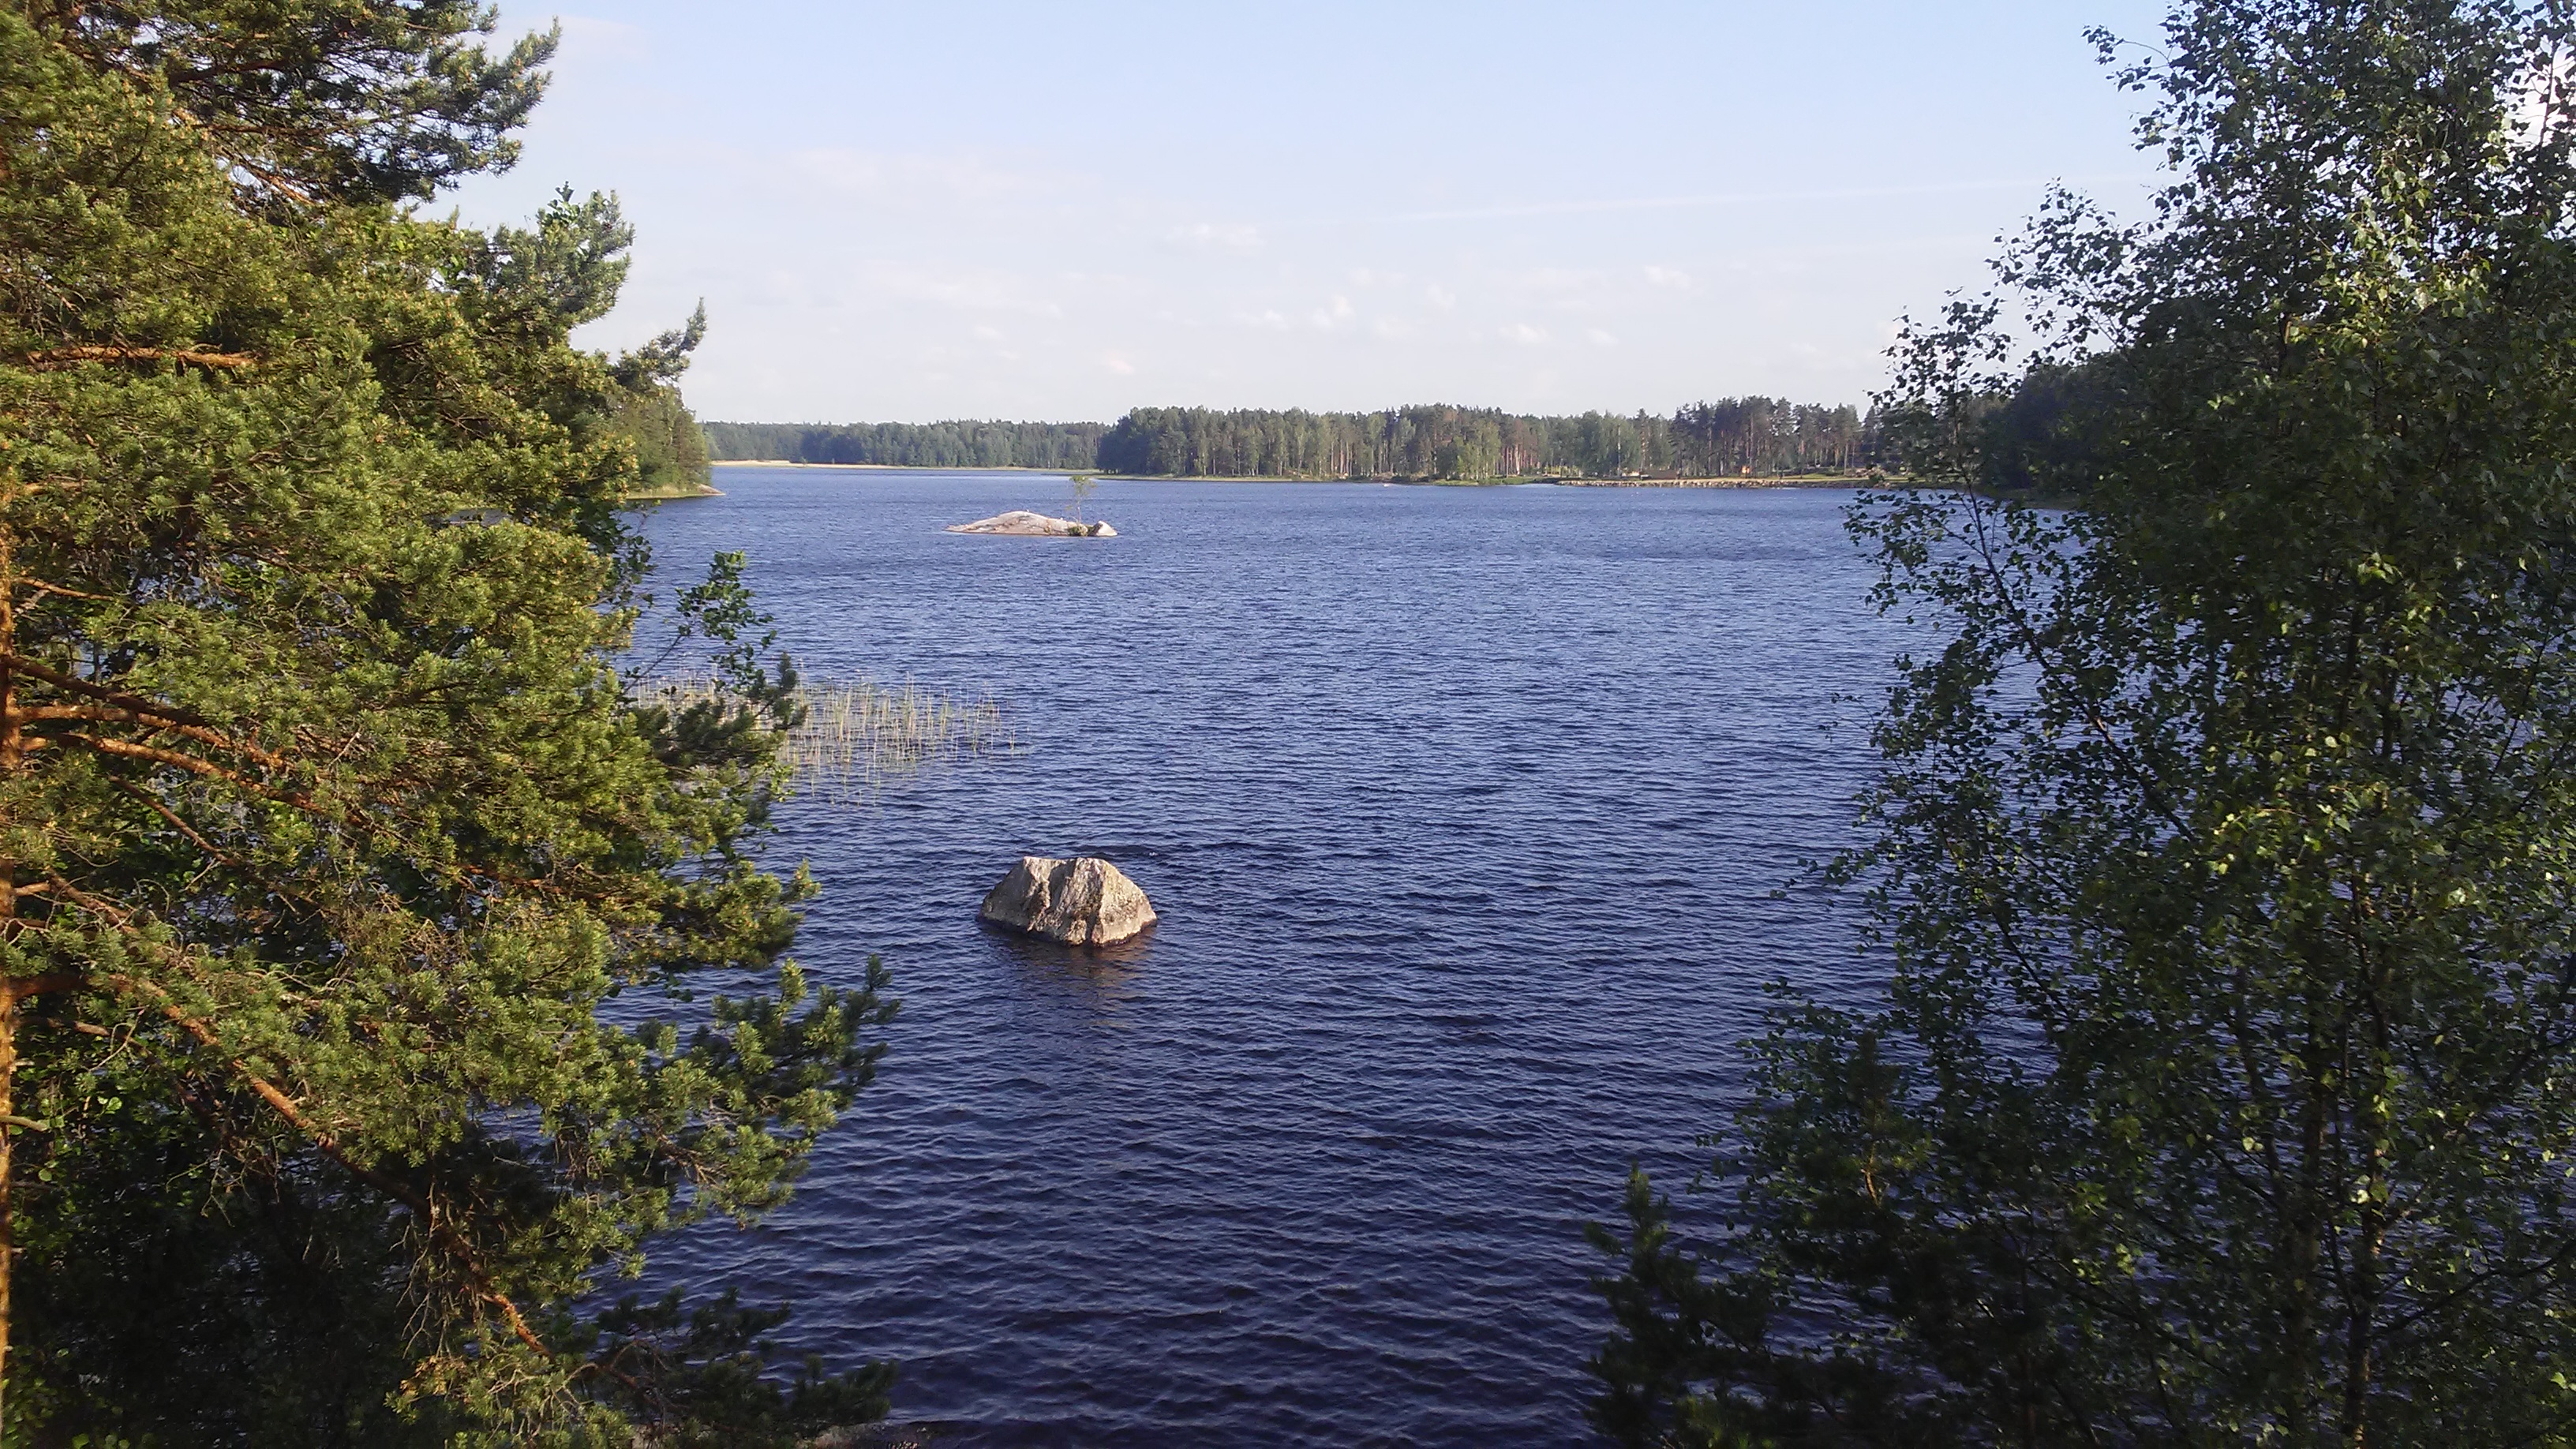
{"x":1464,"y":810}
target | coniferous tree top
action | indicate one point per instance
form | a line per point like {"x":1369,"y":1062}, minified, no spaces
{"x":328,"y":820}
{"x":312,"y":99}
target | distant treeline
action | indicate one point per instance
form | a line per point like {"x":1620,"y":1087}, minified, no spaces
{"x":1752,"y":435}
{"x":1729,"y":437}
{"x":960,"y":444}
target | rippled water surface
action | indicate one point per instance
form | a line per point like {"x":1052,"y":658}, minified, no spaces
{"x":1464,"y":811}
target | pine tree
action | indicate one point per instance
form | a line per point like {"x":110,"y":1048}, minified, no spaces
{"x":328,"y":824}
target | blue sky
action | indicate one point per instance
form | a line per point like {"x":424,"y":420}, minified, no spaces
{"x":916,"y":211}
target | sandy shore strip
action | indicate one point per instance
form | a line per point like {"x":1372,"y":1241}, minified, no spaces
{"x":1793,"y":480}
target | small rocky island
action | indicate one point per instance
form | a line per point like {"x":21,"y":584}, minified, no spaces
{"x":1081,"y":902}
{"x":1020,"y":523}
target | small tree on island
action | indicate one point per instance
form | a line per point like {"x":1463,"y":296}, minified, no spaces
{"x":2222,"y":1092}
{"x":1084,"y":485}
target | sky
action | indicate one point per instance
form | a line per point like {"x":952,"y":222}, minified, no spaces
{"x":1059,"y":211}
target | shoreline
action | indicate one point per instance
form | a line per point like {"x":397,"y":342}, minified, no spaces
{"x":1784,"y":480}
{"x":883,"y":467}
{"x":1794,"y":480}
{"x":665,"y":495}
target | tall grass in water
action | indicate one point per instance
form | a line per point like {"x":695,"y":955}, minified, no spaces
{"x":856,"y":734}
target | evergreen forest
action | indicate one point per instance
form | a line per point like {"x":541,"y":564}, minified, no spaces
{"x":1059,"y":446}
{"x":1728,"y":438}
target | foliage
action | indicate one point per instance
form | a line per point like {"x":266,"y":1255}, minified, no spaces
{"x":705,"y":1372}
{"x":959,"y":444}
{"x":1742,"y":435}
{"x":565,"y":271}
{"x":2221,"y":1091}
{"x":312,"y":99}
{"x":1736,"y":435}
{"x":328,"y":828}
{"x":670,"y":448}
{"x":1750,"y":435}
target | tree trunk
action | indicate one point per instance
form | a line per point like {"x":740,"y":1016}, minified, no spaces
{"x":8,"y":1139}
{"x":13,"y":758}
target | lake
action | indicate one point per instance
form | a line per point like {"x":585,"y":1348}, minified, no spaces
{"x":1467,"y":813}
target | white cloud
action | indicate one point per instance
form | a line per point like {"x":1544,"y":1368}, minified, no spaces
{"x":1524,"y":334}
{"x":966,"y":289}
{"x":1676,"y":279}
{"x":1556,"y":279}
{"x":1223,"y":236}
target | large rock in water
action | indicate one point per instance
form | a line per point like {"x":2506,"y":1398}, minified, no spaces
{"x":1020,"y":523}
{"x":1083,"y":902}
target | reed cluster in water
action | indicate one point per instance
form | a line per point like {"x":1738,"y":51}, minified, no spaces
{"x":856,"y":733}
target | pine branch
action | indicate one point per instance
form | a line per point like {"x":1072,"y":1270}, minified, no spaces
{"x":446,"y":1238}
{"x":57,"y":358}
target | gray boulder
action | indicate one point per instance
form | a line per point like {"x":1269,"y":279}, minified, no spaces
{"x":1020,"y":523}
{"x":1082,"y":902}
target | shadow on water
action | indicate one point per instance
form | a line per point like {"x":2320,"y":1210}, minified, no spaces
{"x":1099,"y":977}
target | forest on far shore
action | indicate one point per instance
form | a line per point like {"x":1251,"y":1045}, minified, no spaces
{"x":1730,"y":437}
